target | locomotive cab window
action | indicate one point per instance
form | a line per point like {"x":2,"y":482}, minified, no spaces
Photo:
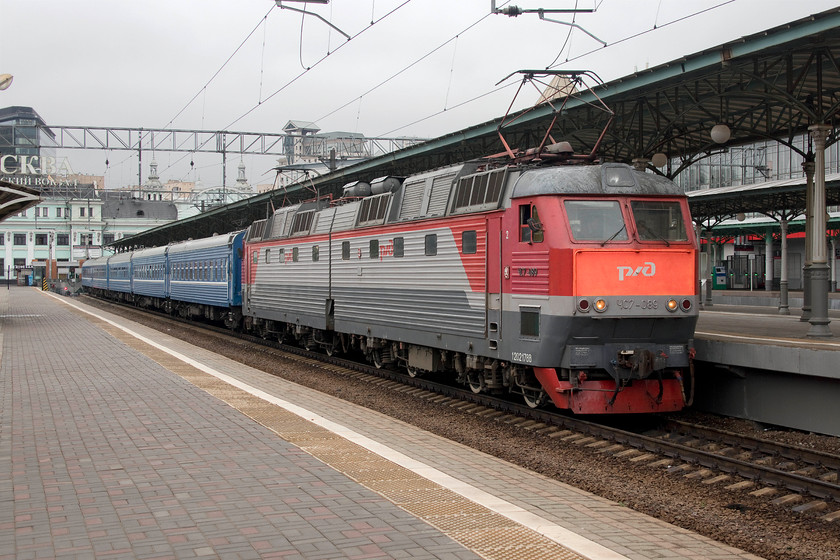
{"x":596,"y":220}
{"x":659,"y":220}
{"x":530,"y":227}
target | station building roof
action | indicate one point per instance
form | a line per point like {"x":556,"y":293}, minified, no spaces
{"x":14,"y":199}
{"x":770,"y":85}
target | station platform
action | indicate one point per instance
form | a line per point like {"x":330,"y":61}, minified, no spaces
{"x":122,"y":442}
{"x":756,"y":364}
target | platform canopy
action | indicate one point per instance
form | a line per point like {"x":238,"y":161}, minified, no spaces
{"x":771,"y":85}
{"x":14,"y":199}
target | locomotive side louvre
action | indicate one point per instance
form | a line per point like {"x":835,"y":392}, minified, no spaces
{"x":428,"y":293}
{"x":386,"y":268}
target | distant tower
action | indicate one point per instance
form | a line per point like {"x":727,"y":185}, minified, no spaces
{"x":559,"y":88}
{"x":241,"y":180}
{"x":153,"y":187}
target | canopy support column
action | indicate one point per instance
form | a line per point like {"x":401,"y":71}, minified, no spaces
{"x":784,"y":309}
{"x":815,"y":239}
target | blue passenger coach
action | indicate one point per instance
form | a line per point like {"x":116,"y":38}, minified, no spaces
{"x":205,"y":276}
{"x":95,"y":274}
{"x":149,"y":276}
{"x":119,"y":274}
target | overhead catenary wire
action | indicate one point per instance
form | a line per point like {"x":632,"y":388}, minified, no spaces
{"x":290,"y":82}
{"x":318,"y":62}
{"x":645,"y":32}
{"x":222,"y":67}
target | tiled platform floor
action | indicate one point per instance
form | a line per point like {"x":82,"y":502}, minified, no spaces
{"x":119,"y":442}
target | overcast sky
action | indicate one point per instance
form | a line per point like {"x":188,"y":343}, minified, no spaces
{"x":140,"y":63}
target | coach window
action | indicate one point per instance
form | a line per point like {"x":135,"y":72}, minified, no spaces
{"x":256,"y":257}
{"x":315,"y":253}
{"x":374,"y":248}
{"x":399,"y":247}
{"x":267,"y":256}
{"x":530,"y":227}
{"x":345,"y":250}
{"x":431,"y":244}
{"x":295,"y":254}
{"x":469,"y":242}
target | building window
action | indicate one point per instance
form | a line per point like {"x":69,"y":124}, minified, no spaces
{"x":3,"y":267}
{"x":20,"y":263}
{"x":37,"y":211}
{"x":107,"y":238}
{"x":62,"y":239}
{"x":90,"y":212}
{"x":41,"y":239}
{"x":20,"y":239}
{"x":81,"y":211}
{"x":58,"y":212}
{"x":45,"y":212}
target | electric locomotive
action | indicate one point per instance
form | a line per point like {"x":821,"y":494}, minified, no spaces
{"x":574,"y":284}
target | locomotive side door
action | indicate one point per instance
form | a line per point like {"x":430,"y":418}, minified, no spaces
{"x":493,"y":269}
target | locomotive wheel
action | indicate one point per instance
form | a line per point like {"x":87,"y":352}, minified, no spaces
{"x":476,"y":382}
{"x":376,"y":358}
{"x":333,"y":347}
{"x":533,"y":398}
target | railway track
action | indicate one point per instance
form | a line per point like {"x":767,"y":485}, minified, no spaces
{"x":790,"y":476}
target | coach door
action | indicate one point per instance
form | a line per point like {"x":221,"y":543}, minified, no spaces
{"x":494,"y":282}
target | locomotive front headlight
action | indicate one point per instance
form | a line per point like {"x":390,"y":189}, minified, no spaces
{"x":672,"y":305}
{"x":600,"y":305}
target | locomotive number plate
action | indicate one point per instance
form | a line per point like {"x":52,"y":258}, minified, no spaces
{"x":521,"y":357}
{"x":640,"y":303}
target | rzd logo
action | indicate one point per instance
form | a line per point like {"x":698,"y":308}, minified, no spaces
{"x":647,"y":269}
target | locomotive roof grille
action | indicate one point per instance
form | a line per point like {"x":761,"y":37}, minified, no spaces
{"x":302,"y":223}
{"x":373,"y":208}
{"x":478,"y":192}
